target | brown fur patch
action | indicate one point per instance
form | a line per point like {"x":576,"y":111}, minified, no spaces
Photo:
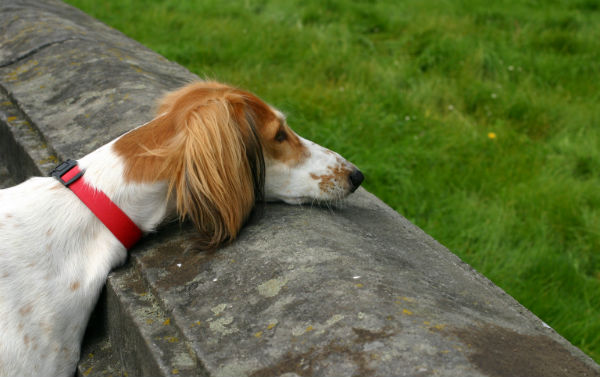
{"x":139,"y":148}
{"x":290,"y":150}
{"x":338,"y":176}
{"x":25,"y":309}
{"x":207,"y":145}
{"x":75,"y":286}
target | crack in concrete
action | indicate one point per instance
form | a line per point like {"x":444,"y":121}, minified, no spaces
{"x":38,"y":49}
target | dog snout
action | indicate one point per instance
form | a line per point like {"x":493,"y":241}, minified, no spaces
{"x":356,"y":178}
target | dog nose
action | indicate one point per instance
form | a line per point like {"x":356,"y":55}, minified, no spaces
{"x":356,"y":178}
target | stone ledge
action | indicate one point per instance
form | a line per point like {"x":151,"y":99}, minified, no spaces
{"x":305,"y":291}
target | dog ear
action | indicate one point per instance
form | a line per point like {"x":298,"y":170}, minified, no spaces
{"x":219,"y":173}
{"x":205,"y":143}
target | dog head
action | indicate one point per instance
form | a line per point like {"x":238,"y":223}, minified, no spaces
{"x":221,"y":149}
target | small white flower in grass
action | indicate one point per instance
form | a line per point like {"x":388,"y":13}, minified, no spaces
{"x":407,"y":118}
{"x":450,"y":107}
{"x":356,"y":277}
{"x":511,"y":67}
{"x":494,"y":95}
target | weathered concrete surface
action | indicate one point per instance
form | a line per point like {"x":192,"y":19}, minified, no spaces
{"x":304,"y":291}
{"x":355,"y":291}
{"x":90,"y":83}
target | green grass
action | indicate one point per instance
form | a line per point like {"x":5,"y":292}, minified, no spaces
{"x":411,"y":91}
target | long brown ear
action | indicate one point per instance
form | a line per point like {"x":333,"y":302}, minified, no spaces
{"x":217,"y":163}
{"x":205,"y":143}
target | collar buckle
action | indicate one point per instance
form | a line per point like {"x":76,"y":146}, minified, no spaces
{"x":63,"y":169}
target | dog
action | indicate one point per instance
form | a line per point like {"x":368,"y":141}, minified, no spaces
{"x":209,"y":155}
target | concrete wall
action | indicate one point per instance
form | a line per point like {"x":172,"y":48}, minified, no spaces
{"x":305,"y":291}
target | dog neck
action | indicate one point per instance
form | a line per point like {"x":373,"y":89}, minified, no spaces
{"x":146,"y":204}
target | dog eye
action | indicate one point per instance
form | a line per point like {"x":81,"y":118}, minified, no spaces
{"x":280,"y":136}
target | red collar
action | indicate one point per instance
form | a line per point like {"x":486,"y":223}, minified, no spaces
{"x":69,"y":174}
